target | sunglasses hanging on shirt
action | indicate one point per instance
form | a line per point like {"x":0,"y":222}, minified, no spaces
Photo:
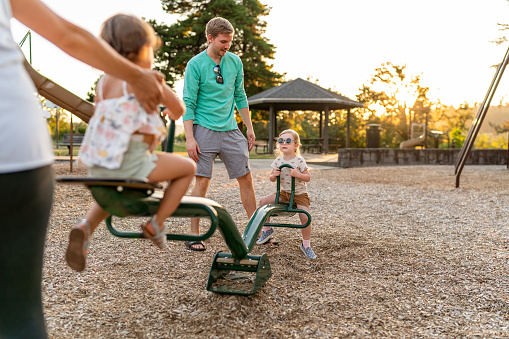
{"x":219,"y":77}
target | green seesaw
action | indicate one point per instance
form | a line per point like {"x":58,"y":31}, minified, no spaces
{"x":236,"y":272}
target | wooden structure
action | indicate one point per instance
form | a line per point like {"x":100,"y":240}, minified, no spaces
{"x":302,"y":95}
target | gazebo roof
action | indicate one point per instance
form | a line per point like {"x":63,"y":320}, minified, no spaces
{"x":302,"y":95}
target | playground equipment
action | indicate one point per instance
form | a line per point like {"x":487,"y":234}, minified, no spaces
{"x":419,"y":138}
{"x":416,"y":138}
{"x":139,"y":198}
{"x":60,"y":96}
{"x":479,"y":117}
{"x":236,"y":272}
{"x":435,"y":137}
{"x":411,"y":143}
{"x":223,"y":262}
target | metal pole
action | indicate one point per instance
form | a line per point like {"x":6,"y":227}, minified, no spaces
{"x":29,"y":36}
{"x":171,"y":137}
{"x":426,"y":131}
{"x":320,"y":125}
{"x":480,"y":112}
{"x":326,"y":131}
{"x":30,"y":45}
{"x":57,"y":118}
{"x":71,"y":150}
{"x":272,"y":127}
{"x":477,"y":122}
{"x":347,"y":128}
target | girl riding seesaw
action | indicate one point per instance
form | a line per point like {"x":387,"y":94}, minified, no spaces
{"x":288,"y":152}
{"x":122,"y":136}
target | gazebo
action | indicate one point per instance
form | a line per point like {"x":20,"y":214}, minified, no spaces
{"x":302,"y":95}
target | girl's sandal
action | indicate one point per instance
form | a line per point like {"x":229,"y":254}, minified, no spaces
{"x":159,"y":239}
{"x":77,"y":249}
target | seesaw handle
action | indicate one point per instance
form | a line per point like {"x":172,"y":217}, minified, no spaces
{"x":278,"y":186}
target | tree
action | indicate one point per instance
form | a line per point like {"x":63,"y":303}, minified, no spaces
{"x":502,"y":128}
{"x":459,"y":117}
{"x":91,"y":94}
{"x":63,"y":124}
{"x":503,"y":39}
{"x":186,"y":38}
{"x":455,"y":122}
{"x":394,"y":100}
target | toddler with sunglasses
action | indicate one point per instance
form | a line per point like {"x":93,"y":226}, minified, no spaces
{"x":288,"y":152}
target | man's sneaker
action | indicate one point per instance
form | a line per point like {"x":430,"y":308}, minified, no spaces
{"x":266,"y":235}
{"x":308,"y":251}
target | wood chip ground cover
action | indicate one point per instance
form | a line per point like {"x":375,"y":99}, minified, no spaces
{"x":401,"y":253}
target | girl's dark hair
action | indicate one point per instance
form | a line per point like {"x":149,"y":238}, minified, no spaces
{"x":127,"y":34}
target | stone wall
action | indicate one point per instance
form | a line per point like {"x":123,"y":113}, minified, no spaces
{"x":363,"y":157}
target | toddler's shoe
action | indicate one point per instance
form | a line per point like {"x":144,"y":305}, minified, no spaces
{"x":308,"y":251}
{"x":266,"y":235}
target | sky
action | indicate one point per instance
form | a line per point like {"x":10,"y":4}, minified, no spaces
{"x":340,"y":43}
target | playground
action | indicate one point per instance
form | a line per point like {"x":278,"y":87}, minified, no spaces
{"x":401,"y":253}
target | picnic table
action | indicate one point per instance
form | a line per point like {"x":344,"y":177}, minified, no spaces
{"x":77,"y":139}
{"x":312,"y":145}
{"x":262,"y":143}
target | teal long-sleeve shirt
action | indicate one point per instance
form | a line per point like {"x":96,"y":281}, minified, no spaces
{"x":208,"y":103}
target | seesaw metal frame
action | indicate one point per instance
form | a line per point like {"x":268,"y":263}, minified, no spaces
{"x":279,"y":208}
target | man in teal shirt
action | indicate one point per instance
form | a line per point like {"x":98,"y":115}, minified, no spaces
{"x":213,"y":86}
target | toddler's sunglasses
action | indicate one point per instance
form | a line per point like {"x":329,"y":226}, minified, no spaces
{"x":281,"y":140}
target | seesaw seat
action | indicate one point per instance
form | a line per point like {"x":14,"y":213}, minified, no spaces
{"x":140,"y":198}
{"x":115,"y":182}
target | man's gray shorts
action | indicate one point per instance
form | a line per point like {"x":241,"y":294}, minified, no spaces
{"x":230,"y":146}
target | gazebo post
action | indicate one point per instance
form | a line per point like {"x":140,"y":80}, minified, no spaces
{"x":347,"y":128}
{"x":326,"y":130}
{"x":320,"y":126}
{"x":272,"y":128}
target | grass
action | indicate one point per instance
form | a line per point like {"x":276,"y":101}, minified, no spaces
{"x":253,"y":155}
{"x":178,"y":148}
{"x":64,"y":151}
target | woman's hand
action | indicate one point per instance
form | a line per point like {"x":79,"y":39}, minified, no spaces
{"x":148,"y":89}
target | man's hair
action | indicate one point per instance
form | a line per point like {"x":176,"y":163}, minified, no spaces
{"x":128,"y":34}
{"x":218,"y":26}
